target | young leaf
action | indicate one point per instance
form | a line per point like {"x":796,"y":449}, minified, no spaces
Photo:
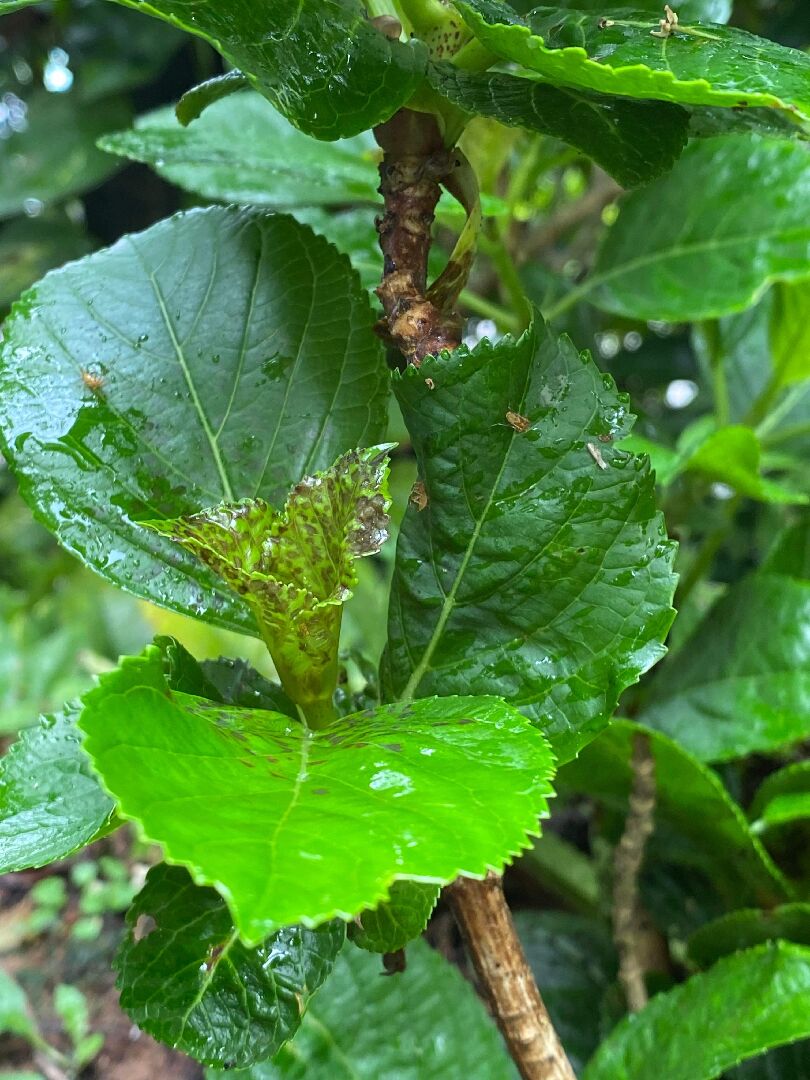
{"x":633,"y":141}
{"x":320,"y":62}
{"x":745,"y":1004}
{"x":51,"y":803}
{"x":397,"y":920}
{"x":710,"y":237}
{"x":741,"y":684}
{"x":539,"y":569}
{"x":690,"y":798}
{"x":427,"y":1022}
{"x":242,"y":150}
{"x":744,"y":929}
{"x":296,"y":568}
{"x":782,"y":797}
{"x":618,"y":54}
{"x":229,"y":354}
{"x":302,"y":826}
{"x":196,"y":100}
{"x":185,"y":977}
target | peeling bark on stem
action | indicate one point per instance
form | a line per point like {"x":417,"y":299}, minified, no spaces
{"x":415,"y":161}
{"x":505,"y":977}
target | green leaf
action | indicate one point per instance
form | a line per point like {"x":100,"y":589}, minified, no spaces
{"x":196,"y":100}
{"x":15,"y":1013}
{"x":187,"y":980}
{"x":238,"y":371}
{"x":30,"y":246}
{"x":790,"y":333}
{"x":633,"y":141}
{"x":707,"y":65}
{"x":397,"y":920}
{"x":782,"y":797}
{"x":689,"y":11}
{"x":691,"y":799}
{"x":242,"y":150}
{"x":359,"y":78}
{"x":296,"y":568}
{"x":741,"y":683}
{"x":539,"y":569}
{"x":51,"y":803}
{"x":574,"y":961}
{"x":744,"y":1005}
{"x":709,"y":238}
{"x":302,"y":826}
{"x":54,"y":155}
{"x":427,"y":1022}
{"x":743,"y":929}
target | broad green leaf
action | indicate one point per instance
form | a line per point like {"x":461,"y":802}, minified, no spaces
{"x":31,"y":246}
{"x":296,"y":568}
{"x":539,"y":569}
{"x":359,"y":77}
{"x":185,"y":977}
{"x":741,"y":684}
{"x":574,"y":961}
{"x":709,"y":238}
{"x":397,"y":920}
{"x":690,"y":799}
{"x":54,"y":154}
{"x":247,"y":362}
{"x":242,"y":150}
{"x":633,"y":141}
{"x":744,"y":929}
{"x":51,"y":803}
{"x":745,"y":1004}
{"x":425,"y":1023}
{"x":790,"y":333}
{"x":718,"y":11}
{"x":302,"y":826}
{"x":696,"y":65}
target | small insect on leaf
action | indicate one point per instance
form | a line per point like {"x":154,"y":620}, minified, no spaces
{"x":596,"y":454}
{"x":430,"y":384}
{"x":518,"y":422}
{"x":92,"y":380}
{"x":419,"y":496}
{"x":667,"y":25}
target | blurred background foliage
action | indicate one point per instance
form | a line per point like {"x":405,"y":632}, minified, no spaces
{"x":723,"y":408}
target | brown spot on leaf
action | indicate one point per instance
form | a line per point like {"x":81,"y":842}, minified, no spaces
{"x":214,"y":954}
{"x":419,"y":495}
{"x":320,"y":791}
{"x":395,"y":746}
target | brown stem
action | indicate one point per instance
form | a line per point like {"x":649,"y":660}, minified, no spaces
{"x":505,"y":977}
{"x":629,"y":856}
{"x":415,"y":161}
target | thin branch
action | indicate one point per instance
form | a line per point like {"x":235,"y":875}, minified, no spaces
{"x":506,"y":979}
{"x":626,"y":867}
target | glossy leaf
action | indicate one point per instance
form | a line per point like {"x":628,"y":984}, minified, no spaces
{"x":302,"y":826}
{"x":361,"y":77}
{"x":539,"y":569}
{"x":782,"y":797}
{"x":51,"y":803}
{"x":54,"y":155}
{"x":242,"y":150}
{"x":743,"y":929}
{"x":185,"y":977}
{"x":235,"y":374}
{"x":741,"y":684}
{"x":574,"y":961}
{"x":699,"y":65}
{"x":633,"y":141}
{"x":690,"y":799}
{"x":745,"y":1004}
{"x":397,"y":920}
{"x":296,"y":568}
{"x":427,"y":1022}
{"x":709,"y":238}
